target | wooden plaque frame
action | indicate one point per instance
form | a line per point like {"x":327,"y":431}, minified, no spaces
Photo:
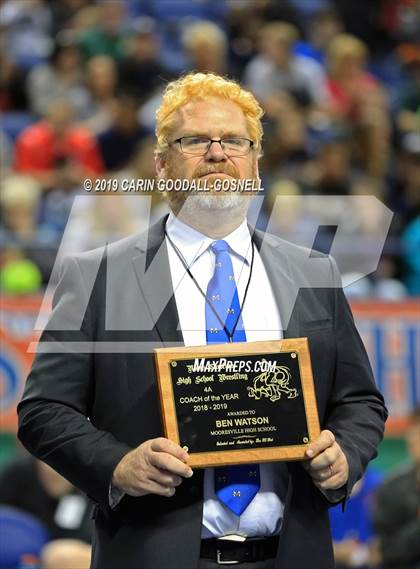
{"x":164,"y":358}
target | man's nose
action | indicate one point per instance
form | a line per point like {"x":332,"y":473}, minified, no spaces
{"x":215,"y":152}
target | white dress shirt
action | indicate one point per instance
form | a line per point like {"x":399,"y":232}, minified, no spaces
{"x":261,"y":320}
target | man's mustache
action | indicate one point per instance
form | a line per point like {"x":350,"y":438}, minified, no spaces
{"x":205,"y":169}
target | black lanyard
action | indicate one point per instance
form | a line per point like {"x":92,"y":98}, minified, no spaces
{"x":209,"y":302}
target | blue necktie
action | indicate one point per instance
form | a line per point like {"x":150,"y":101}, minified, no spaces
{"x":235,"y":486}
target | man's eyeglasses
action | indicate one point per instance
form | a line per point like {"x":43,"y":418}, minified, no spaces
{"x":199,"y":145}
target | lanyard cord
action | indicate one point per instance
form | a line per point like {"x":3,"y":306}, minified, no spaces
{"x":206,"y":298}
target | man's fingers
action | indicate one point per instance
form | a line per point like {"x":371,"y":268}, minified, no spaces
{"x":160,"y":489}
{"x":326,"y":458}
{"x":157,"y":482}
{"x":155,"y":467}
{"x":327,"y":464}
{"x":165,"y":445}
{"x":165,"y":478}
{"x":152,"y":487}
{"x":325,"y":440}
{"x":336,"y":481}
{"x":321,"y":475}
{"x":165,"y":461}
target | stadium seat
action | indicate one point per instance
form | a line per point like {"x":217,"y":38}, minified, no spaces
{"x":14,"y":122}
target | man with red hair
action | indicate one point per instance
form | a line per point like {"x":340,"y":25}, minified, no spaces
{"x":95,"y":416}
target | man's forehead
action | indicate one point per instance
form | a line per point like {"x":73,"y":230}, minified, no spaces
{"x":209,"y":113}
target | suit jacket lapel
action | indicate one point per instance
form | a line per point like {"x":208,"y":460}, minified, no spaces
{"x":280,"y":274}
{"x":151,"y":265}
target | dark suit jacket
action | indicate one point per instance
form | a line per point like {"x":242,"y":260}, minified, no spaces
{"x":82,"y":412}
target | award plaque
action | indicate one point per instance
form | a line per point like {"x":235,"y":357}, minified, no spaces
{"x":238,"y":403}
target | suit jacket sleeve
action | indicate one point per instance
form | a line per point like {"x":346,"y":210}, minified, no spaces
{"x":356,"y":413}
{"x":54,"y":422}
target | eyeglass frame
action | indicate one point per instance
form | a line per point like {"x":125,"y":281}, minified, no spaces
{"x":210,"y":142}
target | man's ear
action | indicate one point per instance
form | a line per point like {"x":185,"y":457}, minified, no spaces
{"x":160,"y":164}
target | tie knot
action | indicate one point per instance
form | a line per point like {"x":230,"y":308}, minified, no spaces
{"x":219,"y":246}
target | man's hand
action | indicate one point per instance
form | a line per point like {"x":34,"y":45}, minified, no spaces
{"x":157,"y":466}
{"x":327,"y":464}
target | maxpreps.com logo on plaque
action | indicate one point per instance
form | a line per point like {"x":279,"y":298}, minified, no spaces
{"x":205,"y":365}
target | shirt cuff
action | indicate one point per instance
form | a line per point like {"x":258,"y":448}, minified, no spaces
{"x":115,"y":495}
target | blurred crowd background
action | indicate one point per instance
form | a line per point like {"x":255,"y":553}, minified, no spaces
{"x":339,"y":81}
{"x":80,"y":82}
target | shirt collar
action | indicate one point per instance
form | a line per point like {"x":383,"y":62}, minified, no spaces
{"x":192,"y":244}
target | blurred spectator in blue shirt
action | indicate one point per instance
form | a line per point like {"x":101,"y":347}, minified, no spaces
{"x":276,"y":68}
{"x":322,"y":27}
{"x":352,"y":530}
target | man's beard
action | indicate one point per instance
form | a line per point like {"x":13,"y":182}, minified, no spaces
{"x":197,"y":201}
